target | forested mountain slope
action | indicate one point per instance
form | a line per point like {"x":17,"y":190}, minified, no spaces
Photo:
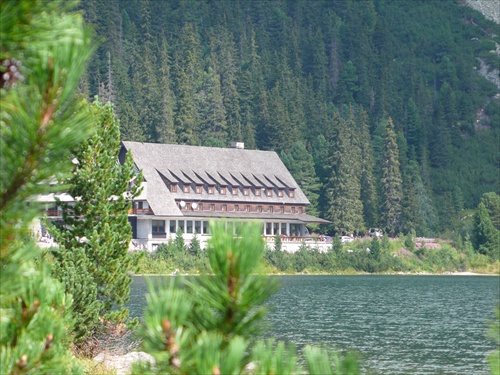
{"x":376,"y":106}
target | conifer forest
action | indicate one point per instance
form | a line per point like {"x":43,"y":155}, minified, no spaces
{"x":376,"y":107}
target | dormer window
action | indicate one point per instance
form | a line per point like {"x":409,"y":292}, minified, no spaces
{"x":292,"y":193}
{"x":173,"y":188}
{"x":211,"y":189}
{"x":222,"y":190}
{"x":280,"y":193}
{"x":257,"y":192}
{"x":234,"y":191}
{"x":186,"y":189}
{"x":269,"y":192}
{"x":199,"y":189}
{"x":246,"y":191}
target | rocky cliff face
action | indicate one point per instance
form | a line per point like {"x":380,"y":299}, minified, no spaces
{"x":490,"y":8}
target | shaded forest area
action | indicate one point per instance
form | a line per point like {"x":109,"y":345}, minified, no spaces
{"x":375,"y":106}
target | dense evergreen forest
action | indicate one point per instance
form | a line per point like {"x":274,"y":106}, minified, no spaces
{"x":376,"y":106}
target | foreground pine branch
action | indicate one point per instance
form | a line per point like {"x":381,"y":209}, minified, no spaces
{"x":209,"y":324}
{"x":43,"y":53}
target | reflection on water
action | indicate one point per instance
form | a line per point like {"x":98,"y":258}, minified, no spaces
{"x":400,"y":324}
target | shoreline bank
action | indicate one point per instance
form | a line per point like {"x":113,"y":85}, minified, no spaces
{"x":465,"y":273}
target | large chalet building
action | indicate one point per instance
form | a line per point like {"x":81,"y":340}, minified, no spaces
{"x":185,"y":187}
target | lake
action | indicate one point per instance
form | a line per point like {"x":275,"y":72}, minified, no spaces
{"x":398,"y":324}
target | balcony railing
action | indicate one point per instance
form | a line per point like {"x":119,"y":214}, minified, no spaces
{"x":140,"y":211}
{"x":54,"y":212}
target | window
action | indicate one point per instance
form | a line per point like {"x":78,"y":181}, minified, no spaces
{"x":283,"y":228}
{"x":186,"y":189}
{"x":246,"y":191}
{"x":205,"y":227}
{"x":197,"y":227}
{"x":212,"y":207}
{"x":257,"y":192}
{"x":292,"y":193}
{"x":282,"y":209}
{"x":269,"y":229}
{"x":222,"y":190}
{"x":180,"y":225}
{"x":211,"y":189}
{"x":173,"y":188}
{"x":293,"y":210}
{"x":276,"y":228}
{"x":188,"y":205}
{"x":140,"y":205}
{"x":301,"y":210}
{"x":224,"y":207}
{"x":271,"y":209}
{"x":280,"y":193}
{"x":158,"y":226}
{"x":189,"y":226}
{"x":236,"y":207}
{"x":235,"y":191}
{"x":200,"y":206}
{"x":259,"y":208}
{"x":248,"y":208}
{"x":199,"y":189}
{"x":172,"y":226}
{"x":269,"y":192}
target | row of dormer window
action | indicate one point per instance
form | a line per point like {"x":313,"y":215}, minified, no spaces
{"x":223,"y":190}
{"x":233,"y":207}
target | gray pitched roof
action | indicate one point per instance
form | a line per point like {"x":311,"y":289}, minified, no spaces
{"x":225,"y":166}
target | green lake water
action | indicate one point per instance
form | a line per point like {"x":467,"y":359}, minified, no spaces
{"x":398,"y":324}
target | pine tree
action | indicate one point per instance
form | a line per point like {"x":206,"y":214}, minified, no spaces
{"x":212,"y":114}
{"x":367,"y":179}
{"x":409,"y":210}
{"x":391,"y":183}
{"x":225,"y":64}
{"x":486,"y":233}
{"x":164,"y":129}
{"x":43,"y":52}
{"x":343,"y":188}
{"x":413,"y":130}
{"x":301,"y":165}
{"x":96,"y":234}
{"x":187,"y":74}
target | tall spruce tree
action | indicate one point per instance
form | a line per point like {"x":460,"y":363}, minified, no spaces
{"x":343,"y":187}
{"x":486,"y":225}
{"x":44,"y":48}
{"x":300,"y":163}
{"x":391,"y":183}
{"x":96,"y":234}
{"x":367,"y":179}
{"x":164,"y":129}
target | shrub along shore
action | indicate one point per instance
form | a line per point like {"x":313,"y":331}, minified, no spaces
{"x":401,"y":256}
